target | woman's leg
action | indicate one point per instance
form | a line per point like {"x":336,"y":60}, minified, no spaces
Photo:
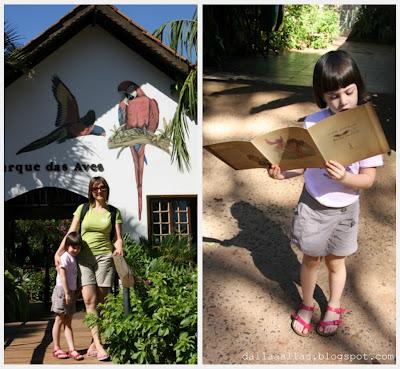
{"x":56,"y":332}
{"x":89,"y":295}
{"x":102,"y":292}
{"x":308,"y":280}
{"x":337,"y":278}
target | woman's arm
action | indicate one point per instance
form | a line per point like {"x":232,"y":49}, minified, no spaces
{"x":74,"y":227}
{"x":275,"y":172}
{"x":365,"y":179}
{"x":118,"y":244}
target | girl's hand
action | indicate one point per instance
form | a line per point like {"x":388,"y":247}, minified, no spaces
{"x":68,"y":298}
{"x":275,"y":172}
{"x":335,"y":170}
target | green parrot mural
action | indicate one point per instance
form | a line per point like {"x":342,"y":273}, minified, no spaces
{"x":68,"y":121}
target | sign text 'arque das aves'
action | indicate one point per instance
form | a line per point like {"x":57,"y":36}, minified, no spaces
{"x":53,"y":167}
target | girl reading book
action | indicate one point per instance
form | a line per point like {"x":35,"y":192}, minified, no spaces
{"x":325,"y":221}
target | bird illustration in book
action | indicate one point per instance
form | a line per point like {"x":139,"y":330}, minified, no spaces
{"x":292,"y":148}
{"x":140,"y":112}
{"x":68,"y":121}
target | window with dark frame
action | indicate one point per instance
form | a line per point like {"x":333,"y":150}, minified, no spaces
{"x":172,"y":215}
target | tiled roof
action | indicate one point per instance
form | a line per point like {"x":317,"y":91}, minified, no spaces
{"x":117,"y":24}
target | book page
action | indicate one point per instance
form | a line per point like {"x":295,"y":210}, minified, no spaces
{"x":290,"y":148}
{"x":238,"y":154}
{"x":350,"y":136}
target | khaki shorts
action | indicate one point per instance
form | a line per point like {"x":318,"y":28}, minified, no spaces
{"x":97,"y":270}
{"x":320,"y":231}
{"x":58,"y":304}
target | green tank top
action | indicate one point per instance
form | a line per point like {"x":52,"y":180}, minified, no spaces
{"x":95,"y":231}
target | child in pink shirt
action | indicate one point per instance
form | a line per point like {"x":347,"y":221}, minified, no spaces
{"x":325,"y":223}
{"x":64,"y":297}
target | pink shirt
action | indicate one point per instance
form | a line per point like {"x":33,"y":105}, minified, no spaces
{"x":68,"y":262}
{"x":329,"y":192}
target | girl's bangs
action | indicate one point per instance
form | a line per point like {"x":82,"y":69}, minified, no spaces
{"x":336,"y":78}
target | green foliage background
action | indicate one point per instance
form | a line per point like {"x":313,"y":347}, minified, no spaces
{"x":162,"y":324}
{"x":375,"y":23}
{"x":307,"y":26}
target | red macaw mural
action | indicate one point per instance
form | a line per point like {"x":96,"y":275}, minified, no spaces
{"x":136,"y":110}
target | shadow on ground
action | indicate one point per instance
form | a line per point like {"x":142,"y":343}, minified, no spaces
{"x":270,"y":249}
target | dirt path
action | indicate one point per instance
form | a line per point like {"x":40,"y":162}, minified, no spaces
{"x":250,"y":272}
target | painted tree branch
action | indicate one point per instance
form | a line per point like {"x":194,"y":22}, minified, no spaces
{"x":123,"y":137}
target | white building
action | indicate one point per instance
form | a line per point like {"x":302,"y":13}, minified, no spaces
{"x":92,"y":50}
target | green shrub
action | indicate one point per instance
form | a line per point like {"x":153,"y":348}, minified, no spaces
{"x":375,"y":23}
{"x":16,"y":301}
{"x":162,"y":324}
{"x":313,"y":26}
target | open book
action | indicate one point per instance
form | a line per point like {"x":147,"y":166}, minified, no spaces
{"x":345,"y":137}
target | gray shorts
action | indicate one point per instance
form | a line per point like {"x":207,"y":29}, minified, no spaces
{"x":58,"y":304}
{"x":97,"y":270}
{"x":320,"y":231}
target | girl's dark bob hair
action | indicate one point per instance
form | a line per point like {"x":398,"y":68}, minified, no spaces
{"x":95,"y":182}
{"x":335,"y":70}
{"x":72,"y":239}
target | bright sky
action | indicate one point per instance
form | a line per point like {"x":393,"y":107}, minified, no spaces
{"x":31,"y":20}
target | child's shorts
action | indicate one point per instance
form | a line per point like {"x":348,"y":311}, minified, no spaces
{"x":96,"y":270}
{"x":58,"y":304}
{"x":320,"y":231}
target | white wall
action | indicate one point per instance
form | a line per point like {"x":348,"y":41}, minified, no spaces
{"x":92,"y":64}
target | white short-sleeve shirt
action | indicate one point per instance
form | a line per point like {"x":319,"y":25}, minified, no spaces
{"x":68,"y":262}
{"x":325,"y":190}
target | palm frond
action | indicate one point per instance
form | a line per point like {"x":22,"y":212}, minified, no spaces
{"x":182,"y":37}
{"x":13,"y":57}
{"x":186,"y":108}
{"x":11,"y":39}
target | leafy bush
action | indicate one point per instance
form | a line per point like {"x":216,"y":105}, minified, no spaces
{"x":16,"y":300}
{"x":305,"y":26}
{"x":162,"y":324}
{"x":33,"y":282}
{"x":375,"y":23}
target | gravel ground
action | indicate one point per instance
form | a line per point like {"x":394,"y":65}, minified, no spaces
{"x":250,"y":271}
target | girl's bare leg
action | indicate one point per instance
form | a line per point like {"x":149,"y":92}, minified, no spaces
{"x":337,"y":278}
{"x":56,"y":332}
{"x":308,"y":280}
{"x":69,"y":335}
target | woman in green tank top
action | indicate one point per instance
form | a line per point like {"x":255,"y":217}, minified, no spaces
{"x":95,"y":259}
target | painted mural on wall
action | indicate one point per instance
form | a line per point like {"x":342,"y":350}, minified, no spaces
{"x":68,"y":121}
{"x":138,"y":116}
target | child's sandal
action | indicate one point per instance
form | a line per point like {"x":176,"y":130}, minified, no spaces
{"x":60,"y":354}
{"x":75,"y":355}
{"x":296,"y":317}
{"x":336,"y":322}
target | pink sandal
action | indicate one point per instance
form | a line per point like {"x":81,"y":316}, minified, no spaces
{"x":91,"y":353}
{"x":75,"y":355}
{"x":60,"y":354}
{"x":337,"y":322}
{"x":296,"y":317}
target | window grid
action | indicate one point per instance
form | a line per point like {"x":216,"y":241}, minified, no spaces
{"x":177,"y":220}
